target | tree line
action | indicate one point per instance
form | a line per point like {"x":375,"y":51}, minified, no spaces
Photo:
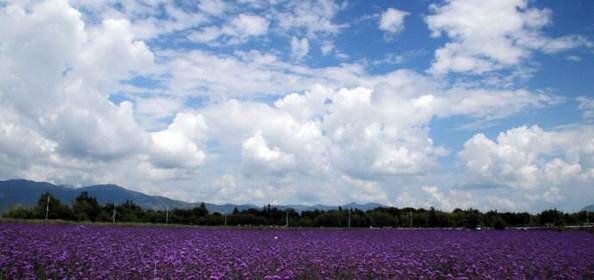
{"x":86,"y":208}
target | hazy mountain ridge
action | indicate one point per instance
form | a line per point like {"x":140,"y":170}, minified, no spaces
{"x":26,"y":193}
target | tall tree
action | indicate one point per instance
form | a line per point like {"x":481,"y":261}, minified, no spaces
{"x":86,"y":208}
{"x":49,"y":205}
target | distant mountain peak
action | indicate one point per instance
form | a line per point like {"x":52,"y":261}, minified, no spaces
{"x":26,"y":192}
{"x":105,"y":187}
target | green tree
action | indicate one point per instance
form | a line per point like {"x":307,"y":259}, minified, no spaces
{"x":551,"y":217}
{"x":498,"y":223}
{"x":54,"y":209}
{"x":86,"y":208}
{"x":198,"y":214}
{"x":18,"y":212}
{"x":129,"y":212}
{"x":381,"y":219}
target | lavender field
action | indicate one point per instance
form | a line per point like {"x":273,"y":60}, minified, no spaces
{"x":104,"y":252}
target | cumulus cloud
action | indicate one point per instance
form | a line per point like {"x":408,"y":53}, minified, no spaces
{"x":366,"y":191}
{"x":392,"y":20}
{"x":469,"y":24}
{"x":152,"y":110}
{"x":180,"y":144}
{"x":112,"y":53}
{"x":447,"y":200}
{"x":360,"y":132}
{"x":318,"y":136}
{"x":257,"y":154}
{"x":71,"y":111}
{"x":539,"y":164}
{"x":62,"y":107}
{"x":85,"y":98}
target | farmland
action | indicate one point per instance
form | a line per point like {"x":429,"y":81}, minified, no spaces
{"x":100,"y":252}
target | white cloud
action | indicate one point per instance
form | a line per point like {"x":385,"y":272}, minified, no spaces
{"x":180,"y":144}
{"x":366,"y":191}
{"x":112,"y":53}
{"x":21,"y":145}
{"x":206,"y":34}
{"x":250,"y":25}
{"x":311,"y":16}
{"x":150,"y":111}
{"x":586,"y":105}
{"x":447,"y":201}
{"x":574,"y":58}
{"x":359,"y":131}
{"x":257,"y":154}
{"x":392,"y":20}
{"x":299,"y":47}
{"x":238,"y":30}
{"x":148,"y":19}
{"x":511,"y":28}
{"x":364,"y":127}
{"x":556,"y":45}
{"x":258,"y":127}
{"x":250,"y":18}
{"x":357,"y":136}
{"x":72,"y":111}
{"x":492,"y":104}
{"x":540,"y":165}
{"x":226,"y":124}
{"x":327,"y":47}
{"x":213,"y":7}
{"x":250,"y":75}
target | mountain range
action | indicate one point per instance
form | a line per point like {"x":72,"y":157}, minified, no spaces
{"x":26,"y":193}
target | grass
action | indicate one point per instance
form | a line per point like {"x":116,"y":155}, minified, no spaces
{"x":66,"y":222}
{"x":263,"y":227}
{"x":126,"y":224}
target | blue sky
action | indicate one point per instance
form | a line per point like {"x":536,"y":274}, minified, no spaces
{"x":451,"y":104}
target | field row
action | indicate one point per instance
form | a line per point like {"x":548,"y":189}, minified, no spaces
{"x":103,"y":252}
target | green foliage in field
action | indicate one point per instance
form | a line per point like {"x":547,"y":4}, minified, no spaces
{"x":85,"y":208}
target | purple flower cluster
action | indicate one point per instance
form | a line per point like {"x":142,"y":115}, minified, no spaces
{"x":103,"y":252}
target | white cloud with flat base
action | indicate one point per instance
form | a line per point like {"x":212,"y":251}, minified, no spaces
{"x":233,"y":102}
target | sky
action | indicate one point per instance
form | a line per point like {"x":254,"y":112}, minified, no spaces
{"x":447,"y":104}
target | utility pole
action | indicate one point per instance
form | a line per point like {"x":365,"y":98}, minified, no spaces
{"x":349,"y":217}
{"x":225,"y":217}
{"x":47,"y":207}
{"x":287,"y":220}
{"x":114,"y":213}
{"x":166,"y":214}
